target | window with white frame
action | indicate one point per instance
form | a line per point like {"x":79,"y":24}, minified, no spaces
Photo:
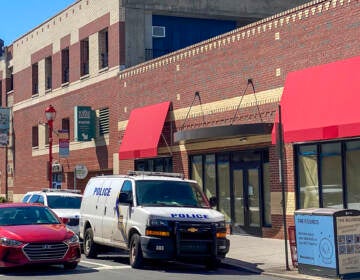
{"x":103,"y":49}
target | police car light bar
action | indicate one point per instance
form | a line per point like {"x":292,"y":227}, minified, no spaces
{"x":60,"y":190}
{"x":153,"y":173}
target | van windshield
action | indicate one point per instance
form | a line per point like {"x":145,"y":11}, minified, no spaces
{"x":169,"y":193}
{"x":64,"y":202}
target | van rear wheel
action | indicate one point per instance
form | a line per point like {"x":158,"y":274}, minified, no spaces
{"x":90,"y":249}
{"x":135,"y":254}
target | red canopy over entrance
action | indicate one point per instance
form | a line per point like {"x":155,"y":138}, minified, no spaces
{"x":143,"y":131}
{"x":322,"y":102}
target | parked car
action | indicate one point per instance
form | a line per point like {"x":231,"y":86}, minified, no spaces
{"x":34,"y":234}
{"x":65,"y":203}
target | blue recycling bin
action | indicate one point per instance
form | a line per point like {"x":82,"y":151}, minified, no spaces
{"x":328,"y":242}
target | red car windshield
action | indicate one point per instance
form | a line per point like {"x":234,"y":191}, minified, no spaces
{"x":32,"y":215}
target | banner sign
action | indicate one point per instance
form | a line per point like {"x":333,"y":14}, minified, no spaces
{"x":84,"y":127}
{"x":64,"y":143}
{"x":4,"y":126}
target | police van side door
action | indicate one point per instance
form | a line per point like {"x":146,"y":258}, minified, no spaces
{"x":109,"y":194}
{"x":101,"y":192}
{"x":124,"y":203}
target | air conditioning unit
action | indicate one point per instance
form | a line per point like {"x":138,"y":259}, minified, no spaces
{"x":158,"y":31}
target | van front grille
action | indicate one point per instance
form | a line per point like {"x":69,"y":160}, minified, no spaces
{"x":195,"y":239}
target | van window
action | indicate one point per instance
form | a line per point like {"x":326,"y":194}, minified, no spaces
{"x":36,"y":199}
{"x":126,"y":193}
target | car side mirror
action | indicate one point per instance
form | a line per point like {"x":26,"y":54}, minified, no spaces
{"x":125,"y":198}
{"x":213,"y":201}
{"x":65,"y":220}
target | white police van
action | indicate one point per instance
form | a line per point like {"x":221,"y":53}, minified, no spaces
{"x":153,"y":216}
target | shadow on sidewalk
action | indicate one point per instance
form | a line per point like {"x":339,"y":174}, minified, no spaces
{"x":251,"y":267}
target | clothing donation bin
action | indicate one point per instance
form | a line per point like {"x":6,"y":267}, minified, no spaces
{"x":328,"y":242}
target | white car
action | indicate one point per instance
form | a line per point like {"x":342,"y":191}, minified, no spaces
{"x":65,"y":203}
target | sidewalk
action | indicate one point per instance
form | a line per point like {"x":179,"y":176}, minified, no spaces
{"x":262,"y":256}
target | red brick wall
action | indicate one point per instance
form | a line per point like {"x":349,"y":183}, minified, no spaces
{"x":65,"y":42}
{"x":94,"y":26}
{"x":22,"y":85}
{"x":74,"y":68}
{"x":116,"y":34}
{"x":56,"y":70}
{"x":97,"y":160}
{"x":219,"y":73}
{"x":41,"y":54}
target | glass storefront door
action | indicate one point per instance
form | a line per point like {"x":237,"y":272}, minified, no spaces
{"x":246,"y":188}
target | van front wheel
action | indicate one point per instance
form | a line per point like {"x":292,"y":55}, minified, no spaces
{"x":135,"y":254}
{"x":90,"y":249}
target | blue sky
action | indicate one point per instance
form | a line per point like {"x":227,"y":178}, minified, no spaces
{"x":17,"y":17}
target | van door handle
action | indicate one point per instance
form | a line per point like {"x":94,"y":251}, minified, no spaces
{"x":105,"y":210}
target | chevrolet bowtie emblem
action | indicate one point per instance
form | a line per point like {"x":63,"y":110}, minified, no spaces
{"x":192,"y":229}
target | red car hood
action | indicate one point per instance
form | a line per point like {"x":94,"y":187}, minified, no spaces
{"x":36,"y":233}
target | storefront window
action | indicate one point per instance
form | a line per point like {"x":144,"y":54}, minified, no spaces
{"x":331,"y":175}
{"x":163,"y":164}
{"x":197,"y":169}
{"x":223,"y":174}
{"x":210,"y":176}
{"x":308,"y":176}
{"x":353,"y":174}
{"x":238,"y":179}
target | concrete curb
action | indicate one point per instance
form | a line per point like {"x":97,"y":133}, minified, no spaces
{"x":275,"y":272}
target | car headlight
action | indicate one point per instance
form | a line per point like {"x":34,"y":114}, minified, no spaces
{"x":158,"y":223}
{"x":74,"y":239}
{"x":10,"y":242}
{"x":158,"y":228}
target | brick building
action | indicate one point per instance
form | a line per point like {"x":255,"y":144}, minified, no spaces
{"x":207,"y":110}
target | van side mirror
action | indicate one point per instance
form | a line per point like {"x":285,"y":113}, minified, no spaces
{"x":213,"y":201}
{"x":125,"y":198}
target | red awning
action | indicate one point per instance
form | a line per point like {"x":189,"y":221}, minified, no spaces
{"x":322,"y":102}
{"x":143,"y":131}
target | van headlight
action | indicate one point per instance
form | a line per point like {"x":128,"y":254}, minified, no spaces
{"x":220,"y":224}
{"x":157,"y":228}
{"x":220,"y":229}
{"x":158,"y":223}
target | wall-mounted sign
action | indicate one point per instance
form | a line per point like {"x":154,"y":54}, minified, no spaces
{"x":81,"y":171}
{"x":64,"y":143}
{"x":57,"y":168}
{"x":84,"y":123}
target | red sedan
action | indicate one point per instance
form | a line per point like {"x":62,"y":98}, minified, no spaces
{"x":33,"y":234}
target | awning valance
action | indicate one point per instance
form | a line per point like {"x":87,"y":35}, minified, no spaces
{"x":222,"y":132}
{"x":143,"y":131}
{"x":322,"y":102}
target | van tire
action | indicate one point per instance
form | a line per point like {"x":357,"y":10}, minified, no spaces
{"x":135,"y":254}
{"x":90,"y":249}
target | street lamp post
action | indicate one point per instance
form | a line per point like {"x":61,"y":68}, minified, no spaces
{"x":50,"y":114}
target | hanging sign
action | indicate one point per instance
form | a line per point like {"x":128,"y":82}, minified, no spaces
{"x":84,"y":126}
